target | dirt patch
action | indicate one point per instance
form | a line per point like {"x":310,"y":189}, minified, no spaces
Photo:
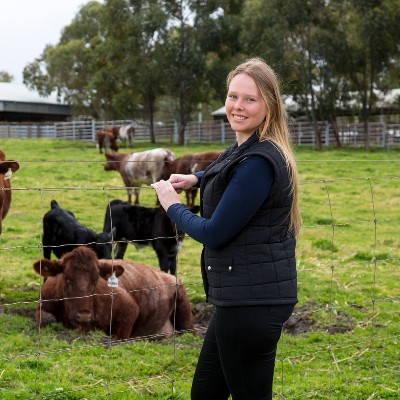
{"x":300,"y":322}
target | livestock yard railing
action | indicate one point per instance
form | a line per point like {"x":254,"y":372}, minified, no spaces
{"x":303,"y":133}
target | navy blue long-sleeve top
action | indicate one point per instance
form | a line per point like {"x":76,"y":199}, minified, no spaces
{"x":249,"y":186}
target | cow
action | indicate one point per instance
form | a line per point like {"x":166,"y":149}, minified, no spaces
{"x":126,"y":134}
{"x":190,"y":163}
{"x":107,"y":138}
{"x":144,"y":226}
{"x":7,"y":168}
{"x":136,"y":169}
{"x":78,"y":293}
{"x":62,"y":233}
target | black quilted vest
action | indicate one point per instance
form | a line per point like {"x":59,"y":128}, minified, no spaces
{"x":258,"y":266}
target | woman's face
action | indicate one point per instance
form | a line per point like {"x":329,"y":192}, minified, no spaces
{"x":245,"y":107}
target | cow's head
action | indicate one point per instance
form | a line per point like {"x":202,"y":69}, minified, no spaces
{"x":78,"y":273}
{"x":113,"y":161}
{"x":103,"y":245}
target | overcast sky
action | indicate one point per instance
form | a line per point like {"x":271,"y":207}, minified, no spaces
{"x":26,"y":26}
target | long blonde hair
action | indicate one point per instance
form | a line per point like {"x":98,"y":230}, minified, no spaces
{"x":275,"y":127}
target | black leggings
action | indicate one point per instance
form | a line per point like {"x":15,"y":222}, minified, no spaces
{"x":238,"y":353}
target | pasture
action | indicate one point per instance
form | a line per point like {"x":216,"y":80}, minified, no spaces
{"x":341,"y":343}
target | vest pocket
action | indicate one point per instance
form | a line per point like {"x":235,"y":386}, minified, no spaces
{"x":217,"y":269}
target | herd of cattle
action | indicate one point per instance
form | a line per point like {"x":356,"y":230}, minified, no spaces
{"x":76,"y":290}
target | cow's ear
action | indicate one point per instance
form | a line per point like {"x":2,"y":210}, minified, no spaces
{"x":47,"y":267}
{"x":107,"y":267}
{"x":7,"y":166}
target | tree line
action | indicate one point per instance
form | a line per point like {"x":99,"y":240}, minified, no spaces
{"x":134,"y":58}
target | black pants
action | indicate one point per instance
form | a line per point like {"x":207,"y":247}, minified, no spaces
{"x":238,"y":353}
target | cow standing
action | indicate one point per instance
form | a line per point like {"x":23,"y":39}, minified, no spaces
{"x":191,"y":163}
{"x":62,"y":233}
{"x":146,"y":302}
{"x":7,"y":168}
{"x":126,"y":134}
{"x":107,"y":138}
{"x":140,"y":168}
{"x":144,"y":226}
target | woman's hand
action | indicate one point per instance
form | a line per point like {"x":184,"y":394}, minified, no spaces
{"x":166,"y":194}
{"x":181,"y":181}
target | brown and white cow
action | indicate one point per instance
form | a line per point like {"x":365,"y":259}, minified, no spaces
{"x":126,"y":134}
{"x":140,"y":168}
{"x":190,"y":163}
{"x":7,"y":168}
{"x":146,"y":302}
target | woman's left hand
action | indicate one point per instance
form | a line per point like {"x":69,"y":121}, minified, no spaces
{"x":166,"y":194}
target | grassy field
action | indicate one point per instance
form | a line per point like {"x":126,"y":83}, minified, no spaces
{"x":341,"y":343}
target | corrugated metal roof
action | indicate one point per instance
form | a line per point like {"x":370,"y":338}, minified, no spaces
{"x":19,"y":93}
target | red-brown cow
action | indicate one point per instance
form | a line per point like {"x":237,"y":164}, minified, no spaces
{"x":146,"y":302}
{"x":190,"y":163}
{"x":136,"y":169}
{"x":107,"y":138}
{"x":7,"y":168}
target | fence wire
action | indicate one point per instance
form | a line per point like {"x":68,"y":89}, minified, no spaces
{"x":346,"y":330}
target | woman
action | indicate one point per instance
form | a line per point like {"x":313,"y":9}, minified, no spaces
{"x":249,"y":223}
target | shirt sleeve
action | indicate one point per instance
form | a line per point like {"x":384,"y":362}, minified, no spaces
{"x":248,"y":188}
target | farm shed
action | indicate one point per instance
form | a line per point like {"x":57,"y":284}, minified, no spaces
{"x":19,"y":104}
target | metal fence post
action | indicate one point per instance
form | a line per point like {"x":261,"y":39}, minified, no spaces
{"x":326,"y":134}
{"x":176,"y":138}
{"x":222,"y":131}
{"x":93,"y":130}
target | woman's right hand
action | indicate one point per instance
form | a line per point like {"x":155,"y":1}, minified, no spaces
{"x":181,"y":181}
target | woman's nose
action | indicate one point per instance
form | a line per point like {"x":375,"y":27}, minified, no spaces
{"x":238,"y":105}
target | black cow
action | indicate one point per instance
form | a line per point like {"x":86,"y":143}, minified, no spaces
{"x":62,"y":233}
{"x":144,"y":226}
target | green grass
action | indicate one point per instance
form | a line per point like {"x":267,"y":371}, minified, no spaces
{"x":342,"y":344}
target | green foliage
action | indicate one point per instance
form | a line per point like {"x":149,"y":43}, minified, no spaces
{"x":5,"y":77}
{"x":343,"y":342}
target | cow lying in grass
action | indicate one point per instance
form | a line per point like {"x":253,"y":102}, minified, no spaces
{"x":62,"y":233}
{"x":144,"y":226}
{"x":146,"y":302}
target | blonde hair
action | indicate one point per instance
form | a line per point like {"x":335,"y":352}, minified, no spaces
{"x":275,"y":127}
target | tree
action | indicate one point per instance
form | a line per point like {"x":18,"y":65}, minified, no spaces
{"x":134,"y":43}
{"x":183,"y":63}
{"x":6,"y":77}
{"x":369,"y":39}
{"x":78,"y":68}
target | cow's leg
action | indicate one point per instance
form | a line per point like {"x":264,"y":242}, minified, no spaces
{"x":129,"y":190}
{"x":44,"y":318}
{"x":172,"y":264}
{"x":183,"y":312}
{"x":45,"y":243}
{"x":124,"y":319}
{"x":167,"y":330}
{"x":137,"y":192}
{"x":120,"y":249}
{"x":162,"y":255}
